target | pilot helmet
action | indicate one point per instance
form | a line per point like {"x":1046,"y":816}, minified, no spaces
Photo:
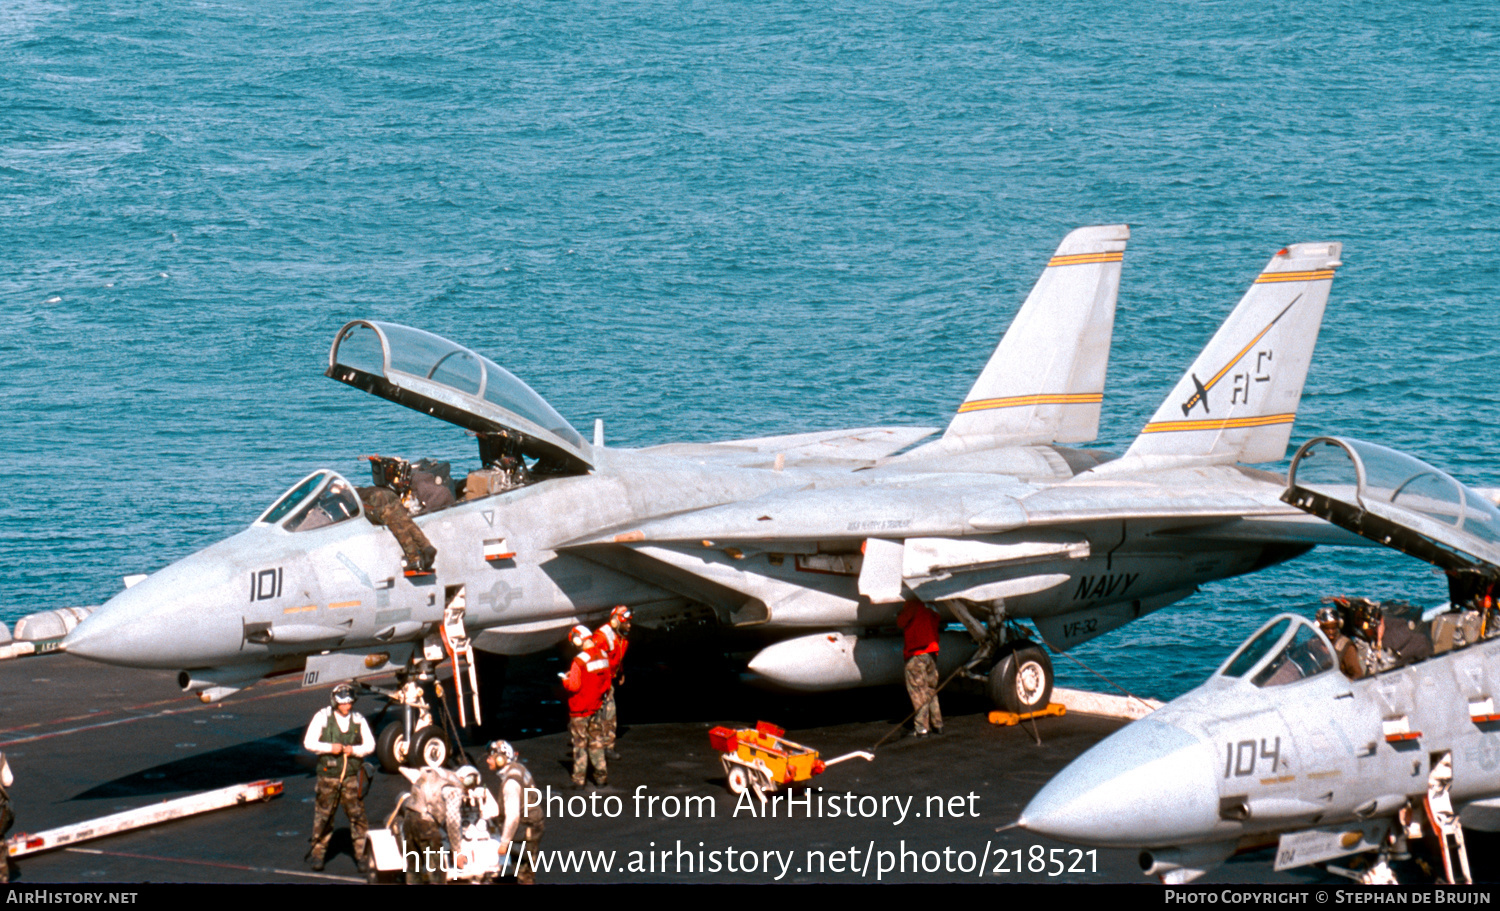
{"x":468,"y":776}
{"x":1329,"y":616}
{"x":343,"y":694}
{"x":503,"y":751}
{"x":579,"y":636}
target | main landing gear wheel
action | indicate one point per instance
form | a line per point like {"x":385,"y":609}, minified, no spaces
{"x":1021,"y":681}
{"x":739,"y":780}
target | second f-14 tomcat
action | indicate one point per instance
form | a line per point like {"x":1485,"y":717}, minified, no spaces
{"x":1285,"y":744}
{"x":809,"y":542}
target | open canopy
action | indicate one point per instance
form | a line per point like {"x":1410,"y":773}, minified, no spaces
{"x":432,"y":375}
{"x":1396,"y":500}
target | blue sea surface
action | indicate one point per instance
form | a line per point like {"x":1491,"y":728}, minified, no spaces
{"x":701,"y":221}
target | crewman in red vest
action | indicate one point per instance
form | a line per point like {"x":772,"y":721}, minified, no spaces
{"x":613,"y":638}
{"x":921,"y":624}
{"x":586,"y":681}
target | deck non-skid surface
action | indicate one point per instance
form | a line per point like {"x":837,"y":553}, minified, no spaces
{"x":86,"y":741}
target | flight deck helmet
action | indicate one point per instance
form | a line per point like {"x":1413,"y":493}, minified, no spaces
{"x":1330,"y":621}
{"x":502,"y":750}
{"x":579,"y":636}
{"x":619,"y":618}
{"x":343,"y":694}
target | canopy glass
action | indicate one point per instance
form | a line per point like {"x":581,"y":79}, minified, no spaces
{"x":433,"y":375}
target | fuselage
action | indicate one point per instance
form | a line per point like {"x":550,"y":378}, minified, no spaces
{"x":270,"y":594}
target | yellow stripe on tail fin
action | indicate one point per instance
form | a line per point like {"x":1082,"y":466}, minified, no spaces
{"x":1239,"y":399}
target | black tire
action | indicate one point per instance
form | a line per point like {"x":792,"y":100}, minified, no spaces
{"x":1021,"y":681}
{"x":428,"y":747}
{"x":390,"y":746}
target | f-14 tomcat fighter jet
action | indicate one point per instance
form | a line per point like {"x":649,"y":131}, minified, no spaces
{"x":809,"y":542}
{"x":1281,"y":747}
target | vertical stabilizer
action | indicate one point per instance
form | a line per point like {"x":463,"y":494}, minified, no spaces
{"x":1045,"y":381}
{"x":1239,"y":399}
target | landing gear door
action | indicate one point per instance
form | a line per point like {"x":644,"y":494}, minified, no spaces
{"x":1396,"y":500}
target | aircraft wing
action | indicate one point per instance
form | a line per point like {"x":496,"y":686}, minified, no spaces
{"x":1191,"y":494}
{"x":978,"y":538}
{"x":864,"y":444}
{"x":1214,"y":499}
{"x":1230,"y":503}
{"x":940,"y":507}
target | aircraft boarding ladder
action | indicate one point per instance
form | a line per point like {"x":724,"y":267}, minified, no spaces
{"x":460,"y":648}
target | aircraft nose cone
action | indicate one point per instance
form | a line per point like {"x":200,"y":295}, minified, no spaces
{"x":1150,"y":784}
{"x":114,"y":635}
{"x":153,"y":626}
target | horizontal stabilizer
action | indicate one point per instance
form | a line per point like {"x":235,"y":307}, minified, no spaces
{"x":1173,"y":498}
{"x":1302,"y":529}
{"x":1238,"y":400}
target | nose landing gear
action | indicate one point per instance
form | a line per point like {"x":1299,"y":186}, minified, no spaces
{"x":414,"y":739}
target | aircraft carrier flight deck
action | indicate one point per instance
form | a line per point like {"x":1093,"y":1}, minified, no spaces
{"x":86,"y":741}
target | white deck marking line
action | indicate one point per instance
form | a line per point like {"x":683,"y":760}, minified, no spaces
{"x":212,"y":863}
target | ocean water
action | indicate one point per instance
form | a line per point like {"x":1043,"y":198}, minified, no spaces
{"x":701,"y":221}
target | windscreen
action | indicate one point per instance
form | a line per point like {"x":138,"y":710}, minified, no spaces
{"x":289,"y":500}
{"x":1305,"y":654}
{"x":334,"y":503}
{"x":1285,"y":650}
{"x":1258,"y":646}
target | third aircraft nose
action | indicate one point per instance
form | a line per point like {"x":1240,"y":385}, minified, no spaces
{"x":1150,"y":783}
